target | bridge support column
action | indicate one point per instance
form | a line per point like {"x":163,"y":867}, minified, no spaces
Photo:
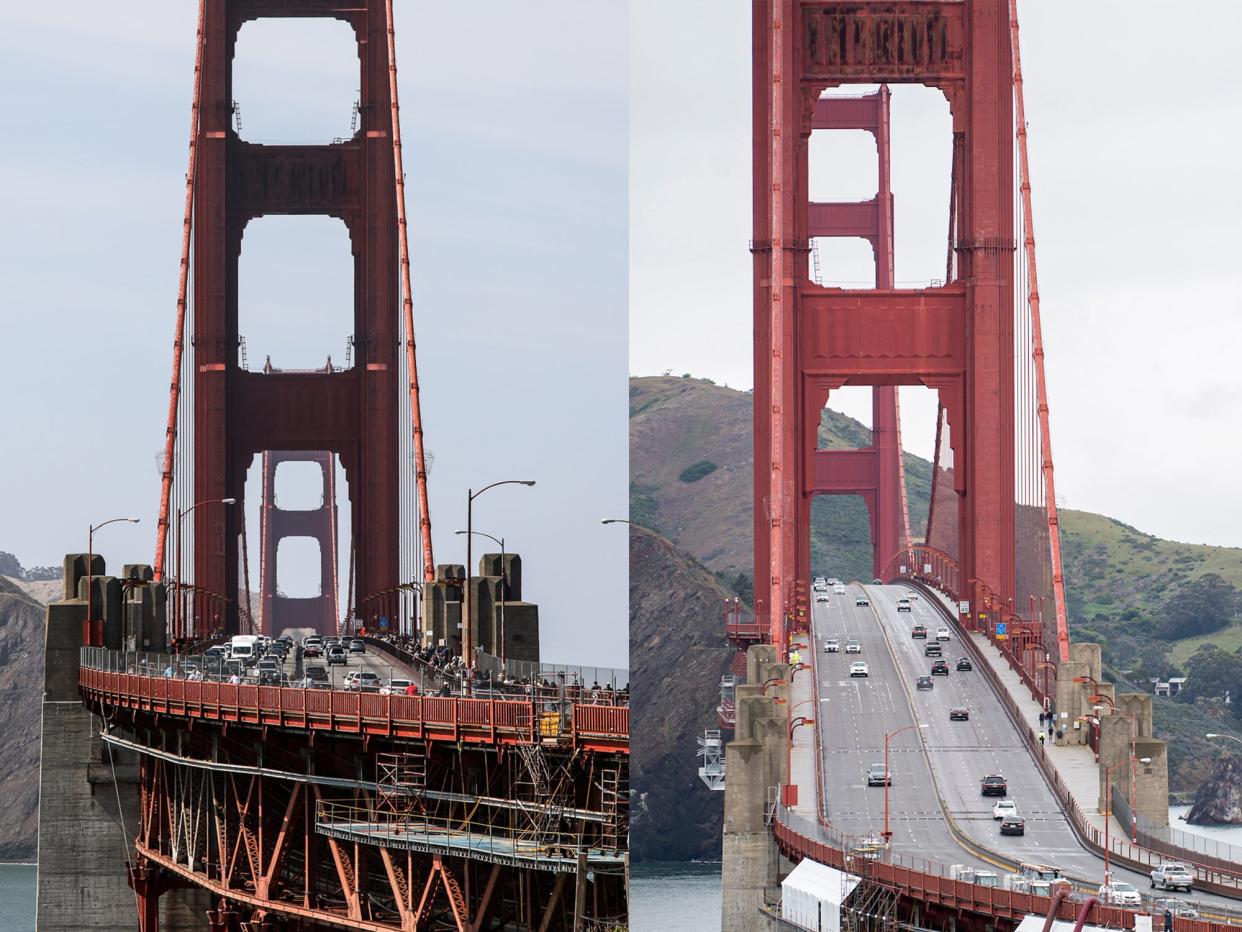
{"x":754,"y":764}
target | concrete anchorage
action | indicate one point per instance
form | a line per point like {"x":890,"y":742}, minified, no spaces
{"x":755,"y":768}
{"x":1123,"y":723}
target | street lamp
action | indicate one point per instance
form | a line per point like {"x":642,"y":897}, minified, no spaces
{"x":177,"y":606}
{"x":888,"y":776}
{"x":1108,"y":799}
{"x":1212,"y":734}
{"x":504,"y":590}
{"x":471,"y":495}
{"x":90,"y":568}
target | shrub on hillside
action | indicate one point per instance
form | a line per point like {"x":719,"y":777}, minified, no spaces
{"x":697,"y":471}
{"x":1211,"y":673}
{"x":1200,"y":606}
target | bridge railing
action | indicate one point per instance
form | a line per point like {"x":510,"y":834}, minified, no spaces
{"x":150,"y":682}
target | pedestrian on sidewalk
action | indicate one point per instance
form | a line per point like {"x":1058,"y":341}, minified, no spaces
{"x":1041,"y":739}
{"x":1041,"y":720}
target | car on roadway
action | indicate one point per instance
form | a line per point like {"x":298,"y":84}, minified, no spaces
{"x":838,"y":589}
{"x":924,"y":682}
{"x":834,"y":581}
{"x":912,"y":595}
{"x":1013,"y":825}
{"x":877,"y":582}
{"x":918,"y":631}
{"x":1003,"y":808}
{"x":993,"y":785}
{"x":861,"y":601}
{"x":312,"y":650}
{"x":932,"y":649}
{"x":316,"y":676}
{"x":1179,"y":908}
{"x":1120,"y":893}
{"x":269,"y":665}
{"x":853,"y":647}
{"x":395,"y":687}
{"x":878,"y":775}
{"x":336,"y":655}
{"x":959,"y":714}
{"x":822,"y":597}
{"x":964,"y":665}
{"x":357,"y":646}
{"x":903,"y":604}
{"x":1172,"y":876}
{"x":858,"y":668}
{"x":832,"y":646}
{"x":939,"y":668}
{"x":942,"y":634}
{"x":365,"y":681}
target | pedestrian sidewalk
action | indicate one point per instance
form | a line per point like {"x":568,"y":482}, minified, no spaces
{"x":802,"y":754}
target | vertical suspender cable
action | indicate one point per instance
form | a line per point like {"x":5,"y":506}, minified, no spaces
{"x":1041,"y":385}
{"x":416,"y":415}
{"x":776,"y":339}
{"x":174,"y":392}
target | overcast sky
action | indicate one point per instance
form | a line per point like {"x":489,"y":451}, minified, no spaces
{"x":1133,"y":119}
{"x":516,"y":166}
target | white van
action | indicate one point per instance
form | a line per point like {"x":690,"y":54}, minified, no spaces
{"x":244,"y":647}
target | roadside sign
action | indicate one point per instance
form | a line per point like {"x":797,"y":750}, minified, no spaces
{"x":963,"y":607}
{"x":1001,"y":634}
{"x":904,"y":569}
{"x":927,"y":568}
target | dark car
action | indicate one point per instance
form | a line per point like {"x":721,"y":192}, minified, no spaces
{"x":316,"y":675}
{"x":924,"y":682}
{"x":918,"y":631}
{"x":932,"y":649}
{"x":940,"y":668}
{"x":964,"y":664}
{"x":994,"y":785}
{"x":1013,"y":825}
{"x":959,"y":715}
{"x":312,"y":650}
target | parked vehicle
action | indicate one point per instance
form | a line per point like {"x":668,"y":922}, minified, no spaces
{"x":1172,"y":876}
{"x":1120,"y":893}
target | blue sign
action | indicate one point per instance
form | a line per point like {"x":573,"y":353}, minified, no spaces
{"x":384,"y":623}
{"x":1000,"y":630}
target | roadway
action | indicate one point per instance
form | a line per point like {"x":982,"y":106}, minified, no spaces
{"x":859,"y":712}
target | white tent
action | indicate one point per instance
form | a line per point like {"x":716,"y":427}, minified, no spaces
{"x":812,"y":894}
{"x":1036,"y":924}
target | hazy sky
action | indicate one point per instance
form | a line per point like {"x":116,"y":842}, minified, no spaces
{"x":516,"y":167}
{"x":1133,"y":120}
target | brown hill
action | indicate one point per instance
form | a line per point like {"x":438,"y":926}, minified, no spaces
{"x":691,"y":468}
{"x":677,"y":656}
{"x":21,"y":691}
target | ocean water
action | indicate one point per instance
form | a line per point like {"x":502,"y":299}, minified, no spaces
{"x":17,"y":897}
{"x":674,"y":897}
{"x":1220,"y":834}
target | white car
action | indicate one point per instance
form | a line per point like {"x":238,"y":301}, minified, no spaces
{"x":1003,"y":808}
{"x":942,"y":634}
{"x":394,"y":687}
{"x":822,"y":597}
{"x":853,"y":647}
{"x":839,"y":590}
{"x":1120,"y":893}
{"x":903,"y":605}
{"x":912,"y":595}
{"x":858,"y":668}
{"x":862,"y":600}
{"x":832,"y":646}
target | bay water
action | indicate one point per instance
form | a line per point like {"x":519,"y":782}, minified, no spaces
{"x":17,"y":897}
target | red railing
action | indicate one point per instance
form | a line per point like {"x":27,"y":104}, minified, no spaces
{"x":598,"y":727}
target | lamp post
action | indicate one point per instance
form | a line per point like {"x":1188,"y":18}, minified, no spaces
{"x":504,"y":590}
{"x":1212,"y":734}
{"x":471,"y":495}
{"x":90,"y":569}
{"x":1108,"y":799}
{"x":177,"y":606}
{"x":888,"y":776}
